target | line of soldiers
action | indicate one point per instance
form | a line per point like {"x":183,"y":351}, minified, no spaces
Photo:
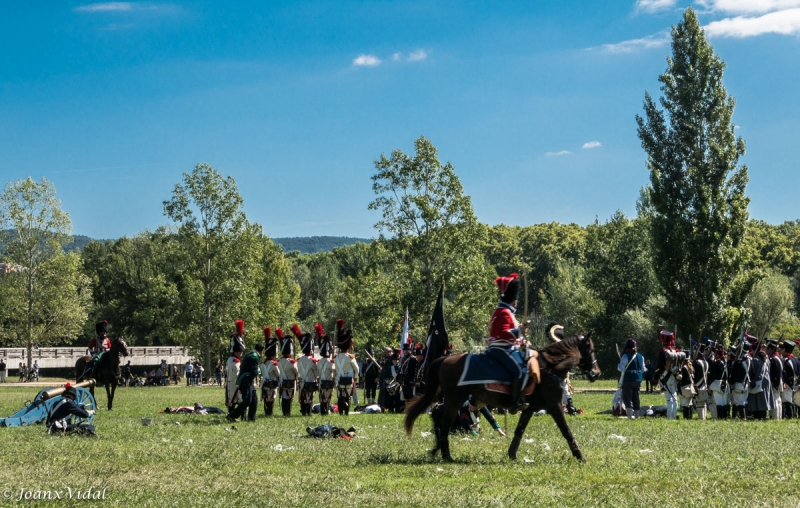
{"x":753,"y":379}
{"x":288,"y":374}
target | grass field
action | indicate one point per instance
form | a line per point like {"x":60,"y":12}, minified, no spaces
{"x":200,"y":461}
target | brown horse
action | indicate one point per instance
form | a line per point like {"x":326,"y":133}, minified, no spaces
{"x":555,"y":361}
{"x":107,"y":369}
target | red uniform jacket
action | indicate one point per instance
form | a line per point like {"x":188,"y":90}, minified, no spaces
{"x":504,"y":326}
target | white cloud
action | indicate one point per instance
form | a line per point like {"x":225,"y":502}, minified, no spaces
{"x":654,"y":5}
{"x":397,"y":56}
{"x":366,"y":61}
{"x":556,"y":154}
{"x":785,"y":22}
{"x":748,"y":6}
{"x":105,"y":7}
{"x":418,"y":56}
{"x":651,"y":41}
{"x":592,"y":144}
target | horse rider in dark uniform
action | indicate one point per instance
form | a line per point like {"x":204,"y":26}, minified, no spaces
{"x":505,"y":335}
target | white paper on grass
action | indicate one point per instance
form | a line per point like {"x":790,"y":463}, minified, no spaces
{"x":645,"y":451}
{"x":527,"y":460}
{"x":529,"y":441}
{"x":425,"y":434}
{"x":621,"y":438}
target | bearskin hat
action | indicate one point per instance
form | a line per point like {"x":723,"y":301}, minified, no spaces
{"x":287,"y":345}
{"x":240,"y":327}
{"x":509,"y":287}
{"x":101,"y":327}
{"x":306,"y":342}
{"x":325,"y":346}
{"x":271,"y":347}
{"x":70,"y":392}
{"x":344,"y":337}
{"x":667,"y":338}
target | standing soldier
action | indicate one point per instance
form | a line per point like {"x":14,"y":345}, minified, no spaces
{"x":346,"y":367}
{"x":665,"y":373}
{"x":289,"y":374}
{"x":631,"y":365}
{"x":718,"y":383}
{"x":307,"y":371}
{"x":327,"y":371}
{"x":246,"y":383}
{"x":700,"y":366}
{"x":270,"y":373}
{"x":419,"y":381}
{"x":371,"y":373}
{"x":775,"y":378}
{"x":791,"y":380}
{"x":759,"y":398}
{"x":232,"y":395}
{"x":410,"y":375}
{"x":740,"y":381}
{"x":686,"y":387}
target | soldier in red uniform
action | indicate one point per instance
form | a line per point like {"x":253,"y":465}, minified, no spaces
{"x":505,"y":335}
{"x":100,"y":343}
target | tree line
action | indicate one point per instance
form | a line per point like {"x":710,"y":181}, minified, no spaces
{"x":691,"y":259}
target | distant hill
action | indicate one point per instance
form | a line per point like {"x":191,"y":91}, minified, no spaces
{"x":312,"y":244}
{"x":304,"y":244}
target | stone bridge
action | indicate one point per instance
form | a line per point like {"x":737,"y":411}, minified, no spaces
{"x":65,"y":357}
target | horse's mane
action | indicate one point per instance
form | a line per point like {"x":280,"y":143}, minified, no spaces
{"x":562,"y":355}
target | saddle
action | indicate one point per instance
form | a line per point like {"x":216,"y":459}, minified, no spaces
{"x":534,"y":376}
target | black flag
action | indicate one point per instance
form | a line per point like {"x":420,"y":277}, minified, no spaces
{"x":438,"y":340}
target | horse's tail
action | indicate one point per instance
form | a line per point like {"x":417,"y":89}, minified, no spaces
{"x":420,"y":404}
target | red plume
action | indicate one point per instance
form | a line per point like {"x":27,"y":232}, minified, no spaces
{"x":240,"y":327}
{"x":267,"y":332}
{"x":279,"y":333}
{"x":320,"y":330}
{"x":67,"y":385}
{"x":296,"y":330}
{"x":340,"y":324}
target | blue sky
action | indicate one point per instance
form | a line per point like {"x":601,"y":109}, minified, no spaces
{"x":533,"y":102}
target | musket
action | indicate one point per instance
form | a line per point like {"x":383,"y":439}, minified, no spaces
{"x":741,"y":340}
{"x":380,"y":367}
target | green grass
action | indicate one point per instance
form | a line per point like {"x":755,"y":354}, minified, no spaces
{"x":202,"y":462}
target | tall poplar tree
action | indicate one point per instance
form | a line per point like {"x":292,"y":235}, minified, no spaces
{"x":697,"y":187}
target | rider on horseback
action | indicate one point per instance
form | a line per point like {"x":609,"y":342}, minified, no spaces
{"x":504,"y":334}
{"x":99,"y":345}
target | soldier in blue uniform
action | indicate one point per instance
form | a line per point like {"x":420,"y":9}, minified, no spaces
{"x":246,"y":383}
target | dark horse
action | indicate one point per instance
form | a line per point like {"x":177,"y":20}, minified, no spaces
{"x":555,"y":362}
{"x":107,"y":369}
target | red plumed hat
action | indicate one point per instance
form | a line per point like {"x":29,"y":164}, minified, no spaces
{"x":502,"y":282}
{"x":279,"y":333}
{"x":240,"y":327}
{"x":267,"y":332}
{"x":320,"y":330}
{"x":339,"y":325}
{"x":296,"y":330}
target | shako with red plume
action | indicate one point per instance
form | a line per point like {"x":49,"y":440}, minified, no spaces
{"x":344,"y":337}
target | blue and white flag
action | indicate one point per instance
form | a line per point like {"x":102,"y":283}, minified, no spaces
{"x":404,"y":336}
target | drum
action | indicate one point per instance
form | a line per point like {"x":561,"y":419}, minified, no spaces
{"x":393,"y":387}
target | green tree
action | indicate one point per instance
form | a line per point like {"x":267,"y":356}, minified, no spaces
{"x":429,"y":226}
{"x":221,"y":256}
{"x":46,"y":298}
{"x":770,"y":302}
{"x":698,"y":208}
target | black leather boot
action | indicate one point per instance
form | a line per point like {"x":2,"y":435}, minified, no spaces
{"x":286,"y":407}
{"x":517,"y":402}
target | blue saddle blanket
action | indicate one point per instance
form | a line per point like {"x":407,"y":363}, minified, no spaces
{"x":484,"y":369}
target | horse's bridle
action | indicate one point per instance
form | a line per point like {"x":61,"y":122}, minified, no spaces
{"x":587,"y":371}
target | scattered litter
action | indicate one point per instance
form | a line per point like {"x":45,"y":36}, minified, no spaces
{"x":529,"y":441}
{"x":621,"y":438}
{"x":739,"y":458}
{"x":360,"y":437}
{"x":546,"y":447}
{"x":189,"y":441}
{"x":645,"y":451}
{"x":165,"y":440}
{"x":425,"y":434}
{"x":439,"y":469}
{"x":177,"y":423}
{"x":527,"y":460}
{"x":680,"y":460}
{"x":466,"y":439}
{"x":279,"y":448}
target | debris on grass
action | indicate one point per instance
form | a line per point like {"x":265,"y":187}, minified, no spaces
{"x":527,"y":460}
{"x":645,"y":451}
{"x":425,"y":434}
{"x":280,"y":448}
{"x":529,"y":441}
{"x":621,"y":438}
{"x":546,"y":447}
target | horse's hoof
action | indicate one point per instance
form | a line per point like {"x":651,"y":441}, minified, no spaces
{"x":447,"y":458}
{"x":432,"y":451}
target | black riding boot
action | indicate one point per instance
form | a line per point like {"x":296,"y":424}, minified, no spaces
{"x":286,"y":407}
{"x":517,"y":402}
{"x":687,"y":413}
{"x":268,"y":407}
{"x":344,"y":406}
